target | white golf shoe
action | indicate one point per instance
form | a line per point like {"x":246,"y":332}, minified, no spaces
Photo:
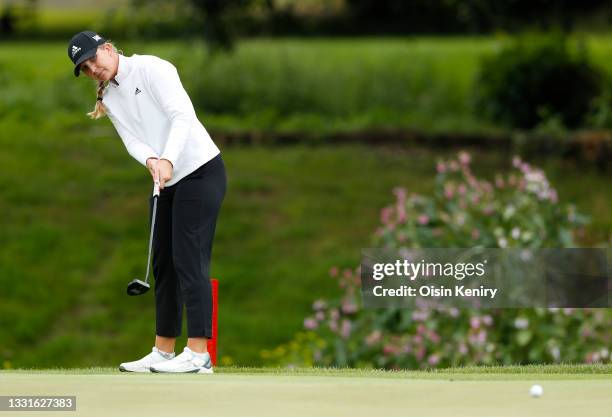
{"x":186,"y":362}
{"x":144,"y":364}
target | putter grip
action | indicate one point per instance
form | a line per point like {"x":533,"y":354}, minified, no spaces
{"x":156,"y":189}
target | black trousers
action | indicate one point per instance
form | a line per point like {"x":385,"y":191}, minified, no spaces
{"x":182,"y":245}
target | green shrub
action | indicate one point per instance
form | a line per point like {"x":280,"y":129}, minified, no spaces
{"x":535,"y":78}
{"x":519,"y":210}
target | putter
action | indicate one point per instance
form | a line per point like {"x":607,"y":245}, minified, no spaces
{"x":138,"y":287}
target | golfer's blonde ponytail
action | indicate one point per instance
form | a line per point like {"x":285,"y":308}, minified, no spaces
{"x":99,"y":109}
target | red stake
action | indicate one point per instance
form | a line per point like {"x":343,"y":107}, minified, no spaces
{"x":212,"y":343}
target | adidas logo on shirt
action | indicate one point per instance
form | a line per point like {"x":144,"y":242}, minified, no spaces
{"x":75,"y":49}
{"x":137,"y":91}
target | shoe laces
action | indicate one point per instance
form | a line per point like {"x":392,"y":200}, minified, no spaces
{"x":150,"y":357}
{"x":188,"y":356}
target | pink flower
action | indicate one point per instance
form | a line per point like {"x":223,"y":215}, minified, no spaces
{"x":463,"y":349}
{"x":420,"y":353}
{"x":373,"y":338}
{"x":389,"y":350}
{"x":333,"y":325}
{"x":433,"y":359}
{"x":319,"y":305}
{"x":419,"y":315}
{"x":487,"y":320}
{"x":499,"y":182}
{"x":320,"y":316}
{"x":475,"y":233}
{"x":434,"y":337}
{"x":464,"y":158}
{"x":449,"y":190}
{"x":333,"y":271}
{"x":310,"y":323}
{"x":553,"y":196}
{"x":474,"y":322}
{"x":516,"y":162}
{"x":423,"y":219}
{"x":401,"y":214}
{"x":512,"y":180}
{"x":462,"y":189}
{"x":400,"y":193}
{"x":385,"y":215}
{"x":349,"y":307}
{"x":471,"y":180}
{"x":488,"y":210}
{"x":478,"y":338}
{"x":461,"y":218}
{"x":345,"y":331}
{"x":441,"y":167}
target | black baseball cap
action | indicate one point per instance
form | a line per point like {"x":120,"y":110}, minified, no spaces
{"x":83,"y":46}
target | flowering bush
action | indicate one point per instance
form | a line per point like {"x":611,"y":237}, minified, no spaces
{"x":517,"y":210}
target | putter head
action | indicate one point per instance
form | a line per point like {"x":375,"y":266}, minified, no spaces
{"x":137,"y":287}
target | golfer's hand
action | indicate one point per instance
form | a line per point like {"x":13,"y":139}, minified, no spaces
{"x":152,"y":166}
{"x":164,"y":172}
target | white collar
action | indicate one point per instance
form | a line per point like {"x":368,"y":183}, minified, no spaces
{"x":125,"y":65}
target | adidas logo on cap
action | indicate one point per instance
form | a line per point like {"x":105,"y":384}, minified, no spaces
{"x":75,"y":49}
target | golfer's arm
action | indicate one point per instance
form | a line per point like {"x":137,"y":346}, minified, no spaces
{"x":167,"y":89}
{"x":139,"y":150}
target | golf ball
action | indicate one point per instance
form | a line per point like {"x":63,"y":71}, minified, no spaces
{"x":536,"y":391}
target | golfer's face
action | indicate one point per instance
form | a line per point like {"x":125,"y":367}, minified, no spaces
{"x":101,"y":67}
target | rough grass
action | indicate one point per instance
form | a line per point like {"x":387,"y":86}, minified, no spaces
{"x":74,"y":222}
{"x":557,"y":371}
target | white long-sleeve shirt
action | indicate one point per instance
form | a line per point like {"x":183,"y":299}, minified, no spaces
{"x":154,"y":116}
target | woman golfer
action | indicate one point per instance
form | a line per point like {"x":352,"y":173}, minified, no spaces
{"x":143,"y":97}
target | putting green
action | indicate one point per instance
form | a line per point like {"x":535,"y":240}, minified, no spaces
{"x":356,"y":393}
